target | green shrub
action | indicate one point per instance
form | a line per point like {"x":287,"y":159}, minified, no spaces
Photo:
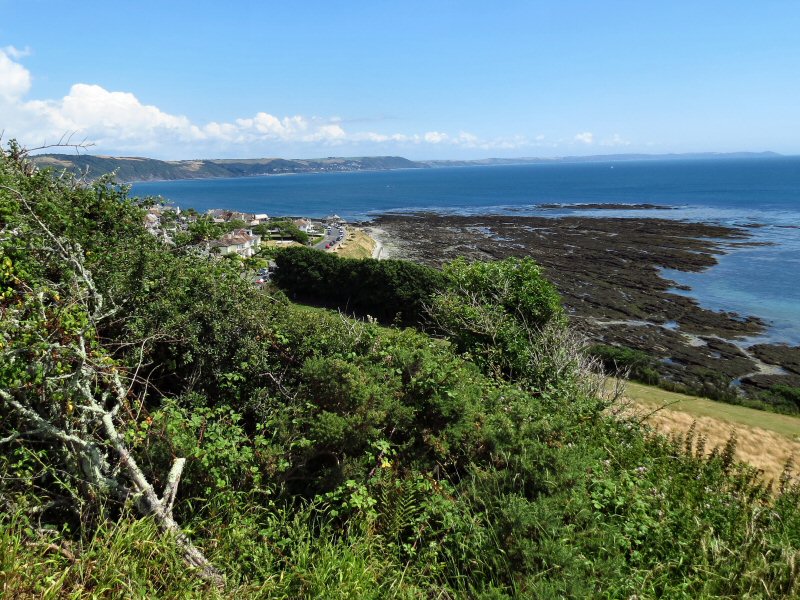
{"x":622,"y":361}
{"x":286,"y":230}
{"x":781,"y":398}
{"x":499,"y":313}
{"x":387,"y":290}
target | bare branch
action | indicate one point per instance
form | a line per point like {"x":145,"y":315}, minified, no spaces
{"x":65,"y":141}
{"x":278,"y":381}
{"x":171,"y":487}
{"x":89,"y":435}
{"x":10,"y":438}
{"x":41,"y":424}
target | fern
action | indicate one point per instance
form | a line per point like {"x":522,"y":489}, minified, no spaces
{"x":400,"y":508}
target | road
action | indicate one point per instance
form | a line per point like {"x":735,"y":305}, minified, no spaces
{"x":330,"y":238}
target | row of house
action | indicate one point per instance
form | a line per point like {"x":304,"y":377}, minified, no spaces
{"x":240,"y":241}
{"x":153,"y":219}
{"x":224,"y":216}
{"x":245,"y":243}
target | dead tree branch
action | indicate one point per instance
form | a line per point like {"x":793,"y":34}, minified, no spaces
{"x":78,"y":412}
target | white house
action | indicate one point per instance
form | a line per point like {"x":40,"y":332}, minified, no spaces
{"x":240,"y":241}
{"x":303,"y":225}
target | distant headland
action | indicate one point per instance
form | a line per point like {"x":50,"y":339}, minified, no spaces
{"x":130,"y":169}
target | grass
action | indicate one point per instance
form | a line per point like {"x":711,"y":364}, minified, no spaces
{"x":357,"y":245}
{"x":785,"y":425}
{"x":765,"y":440}
{"x":129,"y":558}
{"x":123,"y":559}
{"x":280,"y":243}
{"x":311,"y":310}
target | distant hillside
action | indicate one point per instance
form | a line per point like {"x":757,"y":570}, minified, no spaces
{"x":148,"y":169}
{"x":130,"y":168}
{"x":598,"y":158}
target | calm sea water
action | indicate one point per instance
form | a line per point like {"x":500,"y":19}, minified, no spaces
{"x":762,"y":281}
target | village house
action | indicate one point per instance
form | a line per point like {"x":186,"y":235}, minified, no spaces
{"x":239,"y":241}
{"x":152,"y":221}
{"x":303,"y":225}
{"x":224,"y":216}
{"x":157,"y":216}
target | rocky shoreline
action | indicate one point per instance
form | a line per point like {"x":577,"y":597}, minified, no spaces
{"x":608,"y":271}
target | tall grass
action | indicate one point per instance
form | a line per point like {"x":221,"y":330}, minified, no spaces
{"x":125,"y":558}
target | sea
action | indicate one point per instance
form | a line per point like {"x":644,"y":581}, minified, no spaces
{"x":761,"y":194}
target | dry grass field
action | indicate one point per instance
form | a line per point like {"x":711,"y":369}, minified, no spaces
{"x":765,"y":440}
{"x":280,"y":244}
{"x":357,"y":245}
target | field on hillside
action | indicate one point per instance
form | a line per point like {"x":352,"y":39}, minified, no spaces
{"x":765,"y":440}
{"x":357,"y":245}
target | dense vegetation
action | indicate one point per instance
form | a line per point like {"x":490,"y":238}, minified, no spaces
{"x":640,"y":366}
{"x":147,"y":169}
{"x":283,"y":228}
{"x":628,"y":362}
{"x":782,"y":398}
{"x":389,"y":290}
{"x":329,"y":457}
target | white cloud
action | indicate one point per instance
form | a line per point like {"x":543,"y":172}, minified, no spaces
{"x":270,"y":126}
{"x":92,"y":108}
{"x":615,"y":140}
{"x":370,"y":136}
{"x":119,"y":122}
{"x":16,"y":53}
{"x":108,"y":119}
{"x":435,"y":137}
{"x":15,"y":80}
{"x":378,"y":138}
{"x":467,"y":139}
{"x":331,"y":133}
{"x":227,"y":132}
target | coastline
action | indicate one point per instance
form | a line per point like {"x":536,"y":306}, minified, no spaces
{"x":609,"y":271}
{"x":385,"y":246}
{"x":378,"y":249}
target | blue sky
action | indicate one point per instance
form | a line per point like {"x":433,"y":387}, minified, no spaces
{"x":428,"y":79}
